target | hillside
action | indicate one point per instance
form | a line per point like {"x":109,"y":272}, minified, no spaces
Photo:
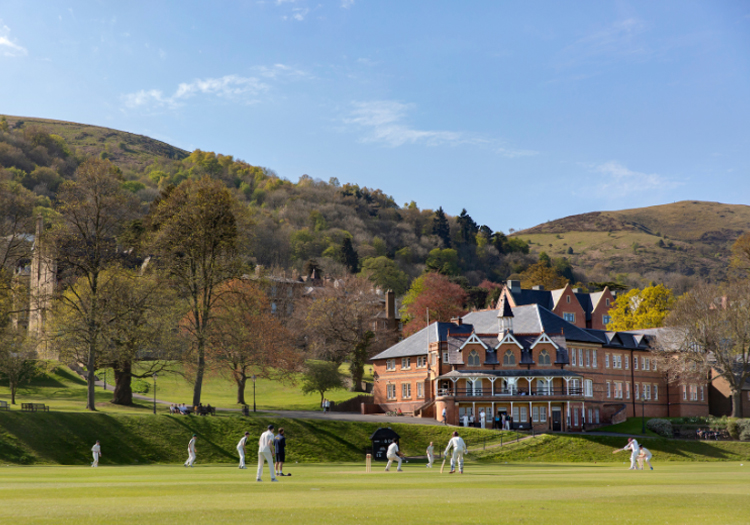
{"x":691,"y":238}
{"x":127,"y":150}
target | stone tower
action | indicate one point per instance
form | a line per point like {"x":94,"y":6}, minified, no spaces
{"x":42,"y":283}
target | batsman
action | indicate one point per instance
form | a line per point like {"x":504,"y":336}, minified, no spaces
{"x":459,"y":449}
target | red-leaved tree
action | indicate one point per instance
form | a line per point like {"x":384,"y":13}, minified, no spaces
{"x":444,"y":299}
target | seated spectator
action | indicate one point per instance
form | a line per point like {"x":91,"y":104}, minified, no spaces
{"x":183,"y":409}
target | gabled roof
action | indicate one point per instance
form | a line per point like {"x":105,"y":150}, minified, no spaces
{"x":509,"y":338}
{"x":543,"y":338}
{"x":473,"y":339}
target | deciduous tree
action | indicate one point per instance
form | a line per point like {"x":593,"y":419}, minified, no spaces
{"x":640,"y":309}
{"x":709,"y":329}
{"x":93,"y":209}
{"x":246,"y":338}
{"x":196,"y":238}
{"x":385,"y":273}
{"x":17,"y":359}
{"x":444,"y":299}
{"x":321,"y":377}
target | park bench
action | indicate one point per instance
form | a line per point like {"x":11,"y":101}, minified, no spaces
{"x":34,"y":407}
{"x":207,"y":410}
{"x":4,"y":405}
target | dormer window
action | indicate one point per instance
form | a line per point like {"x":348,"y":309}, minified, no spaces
{"x":509,"y":359}
{"x":544,"y":358}
{"x":473,"y":358}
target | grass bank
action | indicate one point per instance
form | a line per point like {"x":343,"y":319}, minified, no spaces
{"x":66,"y":437}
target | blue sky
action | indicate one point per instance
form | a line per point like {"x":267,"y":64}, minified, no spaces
{"x":520,"y":112}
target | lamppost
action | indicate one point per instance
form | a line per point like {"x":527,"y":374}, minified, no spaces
{"x":643,"y":413}
{"x":253,"y":392}
{"x":154,"y":376}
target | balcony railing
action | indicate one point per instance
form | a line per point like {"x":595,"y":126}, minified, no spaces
{"x":507,"y":392}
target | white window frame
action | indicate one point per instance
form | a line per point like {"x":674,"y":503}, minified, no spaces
{"x":647,"y":391}
{"x":684,"y":392}
{"x":390,"y":391}
{"x":543,"y":414}
{"x":627,"y":390}
{"x":606,"y":360}
{"x":445,"y":357}
{"x":405,"y":390}
{"x":701,"y":393}
{"x":594,"y":362}
{"x":524,"y":414}
{"x":549,"y":358}
{"x":618,"y":389}
{"x":635,"y":363}
{"x":653,"y":365}
{"x":512,"y":355}
{"x":627,"y":362}
{"x":647,"y":368}
{"x":609,"y":389}
{"x":421,"y":361}
{"x":420,"y":390}
{"x":656,"y":392}
{"x":596,"y":416}
{"x":588,"y":358}
{"x":390,"y":365}
{"x":406,"y":363}
{"x":469,"y":359}
{"x":535,"y":414}
{"x":573,"y":360}
{"x":569,"y":317}
{"x":580,"y":358}
{"x":636,"y":391}
{"x":606,"y":319}
{"x":588,"y":388}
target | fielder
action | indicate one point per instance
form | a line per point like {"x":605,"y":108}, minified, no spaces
{"x":265,"y":447}
{"x":241,"y":449}
{"x":634,"y":450}
{"x":191,"y":452}
{"x":430,"y":455}
{"x":459,"y":449}
{"x":393,"y":454}
{"x":646,"y":456}
{"x":96,"y":450}
{"x":482,"y":419}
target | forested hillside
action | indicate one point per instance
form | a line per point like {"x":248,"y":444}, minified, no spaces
{"x":298,"y":225}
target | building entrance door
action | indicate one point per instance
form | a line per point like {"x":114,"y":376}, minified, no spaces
{"x":556,"y":420}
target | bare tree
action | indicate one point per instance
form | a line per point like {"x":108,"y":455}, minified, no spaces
{"x":342,"y":324}
{"x":709,"y":328}
{"x":93,"y":209}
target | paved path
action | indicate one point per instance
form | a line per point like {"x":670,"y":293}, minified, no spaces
{"x":353,"y":416}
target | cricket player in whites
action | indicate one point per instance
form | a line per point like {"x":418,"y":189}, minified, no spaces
{"x":393,"y":454}
{"x":265,"y":448}
{"x":646,"y":456}
{"x":459,"y":449}
{"x":430,"y":455}
{"x":96,"y":450}
{"x":191,"y":451}
{"x":634,"y":450}
{"x":241,"y":449}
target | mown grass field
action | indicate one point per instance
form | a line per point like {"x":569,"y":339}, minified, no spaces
{"x":62,"y":389}
{"x":684,"y":493}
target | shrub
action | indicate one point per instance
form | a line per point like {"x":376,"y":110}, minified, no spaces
{"x":733,"y":428}
{"x":139,"y":386}
{"x":743,"y":426}
{"x":663,"y":427}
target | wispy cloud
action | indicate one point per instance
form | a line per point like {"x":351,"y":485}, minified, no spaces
{"x":9,"y":47}
{"x":346,"y":4}
{"x":384,"y":122}
{"x":298,"y":14}
{"x":620,"y":40}
{"x":245,"y":90}
{"x":619,"y":180}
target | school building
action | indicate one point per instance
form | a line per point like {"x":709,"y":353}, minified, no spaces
{"x":532,"y":365}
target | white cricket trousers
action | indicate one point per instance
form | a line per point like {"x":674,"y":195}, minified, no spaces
{"x":241,"y":452}
{"x":633,"y":459}
{"x":430,"y":460}
{"x":458,"y":457}
{"x":190,"y":459}
{"x":265,"y":455}
{"x":96,"y":459}
{"x":391,"y":459}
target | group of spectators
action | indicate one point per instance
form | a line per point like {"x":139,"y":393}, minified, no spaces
{"x":707,"y":433}
{"x":183,"y":410}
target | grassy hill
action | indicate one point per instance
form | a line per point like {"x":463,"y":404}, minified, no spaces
{"x":691,"y":238}
{"x":126,"y":150}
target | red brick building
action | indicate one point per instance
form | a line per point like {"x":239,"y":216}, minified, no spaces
{"x":533,"y":365}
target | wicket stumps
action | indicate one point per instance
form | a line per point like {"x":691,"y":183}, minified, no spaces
{"x":368,"y":463}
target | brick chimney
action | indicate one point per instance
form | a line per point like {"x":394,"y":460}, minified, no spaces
{"x":390,"y":308}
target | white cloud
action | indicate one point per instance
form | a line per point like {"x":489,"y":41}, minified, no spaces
{"x":346,"y":4}
{"x":384,"y":122}
{"x":8,"y":47}
{"x":298,"y":14}
{"x":620,"y":40}
{"x":246,"y":90}
{"x":618,"y":180}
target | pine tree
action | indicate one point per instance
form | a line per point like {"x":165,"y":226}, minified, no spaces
{"x":441,"y":228}
{"x":349,"y":255}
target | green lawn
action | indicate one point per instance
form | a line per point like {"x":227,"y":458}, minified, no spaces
{"x":343,"y":493}
{"x":632,"y":425}
{"x":62,"y":389}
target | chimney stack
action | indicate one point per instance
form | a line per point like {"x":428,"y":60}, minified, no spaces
{"x":390,"y":307}
{"x":513,"y":286}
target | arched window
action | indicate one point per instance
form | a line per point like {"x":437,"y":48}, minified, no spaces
{"x":473,"y":358}
{"x":509,"y":359}
{"x":544,"y":358}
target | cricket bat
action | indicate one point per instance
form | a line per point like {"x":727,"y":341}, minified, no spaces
{"x":442,"y":466}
